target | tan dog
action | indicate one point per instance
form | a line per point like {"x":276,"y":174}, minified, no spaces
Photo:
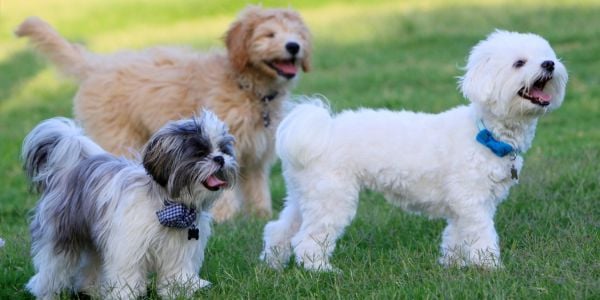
{"x":125,"y":97}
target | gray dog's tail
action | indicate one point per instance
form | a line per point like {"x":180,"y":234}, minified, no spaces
{"x":71,"y":59}
{"x":52,"y":149}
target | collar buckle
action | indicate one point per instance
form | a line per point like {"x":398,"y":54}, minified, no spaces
{"x":265,"y":109}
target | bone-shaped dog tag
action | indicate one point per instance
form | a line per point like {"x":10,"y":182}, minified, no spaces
{"x":513,"y":173}
{"x":193,"y":233}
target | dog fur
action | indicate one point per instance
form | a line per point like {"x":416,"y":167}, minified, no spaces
{"x":123,"y":98}
{"x":95,"y":227}
{"x":427,"y":163}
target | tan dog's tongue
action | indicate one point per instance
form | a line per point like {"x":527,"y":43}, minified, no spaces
{"x":537,"y":93}
{"x":286,"y":67}
{"x":214,"y":182}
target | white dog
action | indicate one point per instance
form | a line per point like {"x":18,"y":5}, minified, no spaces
{"x":458,"y":165}
{"x":103,"y":223}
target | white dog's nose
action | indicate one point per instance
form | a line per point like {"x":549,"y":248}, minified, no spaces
{"x":548,"y":65}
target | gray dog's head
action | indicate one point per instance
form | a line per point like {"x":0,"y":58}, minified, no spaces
{"x":192,"y":158}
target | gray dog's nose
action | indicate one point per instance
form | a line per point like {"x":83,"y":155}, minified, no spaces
{"x":219,"y":160}
{"x":548,"y":65}
{"x":292,"y":48}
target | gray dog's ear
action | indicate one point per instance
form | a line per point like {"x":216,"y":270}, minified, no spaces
{"x":156,"y":162}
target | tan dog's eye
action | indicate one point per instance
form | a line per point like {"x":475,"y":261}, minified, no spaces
{"x":270,"y":35}
{"x":519,"y":63}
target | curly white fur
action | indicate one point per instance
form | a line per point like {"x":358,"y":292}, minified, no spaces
{"x":428,"y":163}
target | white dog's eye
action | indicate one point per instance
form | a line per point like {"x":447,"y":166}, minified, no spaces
{"x":270,"y":35}
{"x":519,"y":63}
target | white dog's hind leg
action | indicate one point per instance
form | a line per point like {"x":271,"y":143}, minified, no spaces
{"x":471,"y":240}
{"x":327,"y":209}
{"x":278,"y":235}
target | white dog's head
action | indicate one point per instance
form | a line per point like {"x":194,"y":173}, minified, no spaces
{"x":514,"y":74}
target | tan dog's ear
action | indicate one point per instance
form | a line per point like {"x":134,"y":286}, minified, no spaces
{"x":238,"y":37}
{"x":305,"y":33}
{"x":306,"y":60}
{"x":306,"y":63}
{"x":236,"y":43}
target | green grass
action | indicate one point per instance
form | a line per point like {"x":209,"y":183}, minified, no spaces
{"x":394,"y":54}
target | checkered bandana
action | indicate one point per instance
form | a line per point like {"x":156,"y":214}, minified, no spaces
{"x":176,"y":215}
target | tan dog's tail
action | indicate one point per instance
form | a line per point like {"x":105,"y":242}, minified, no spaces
{"x":69,"y":58}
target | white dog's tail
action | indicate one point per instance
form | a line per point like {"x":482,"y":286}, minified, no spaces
{"x":52,"y":149}
{"x":70,"y":58}
{"x":304,"y":134}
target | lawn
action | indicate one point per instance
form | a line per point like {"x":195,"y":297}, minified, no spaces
{"x":375,"y":53}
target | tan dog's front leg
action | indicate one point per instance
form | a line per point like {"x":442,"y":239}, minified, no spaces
{"x":255,"y":192}
{"x":227,"y":206}
{"x":252,"y":192}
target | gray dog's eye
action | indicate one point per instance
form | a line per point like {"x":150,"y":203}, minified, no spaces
{"x":519,"y":63}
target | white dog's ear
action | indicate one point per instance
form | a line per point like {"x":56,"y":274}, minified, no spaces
{"x":477,"y":85}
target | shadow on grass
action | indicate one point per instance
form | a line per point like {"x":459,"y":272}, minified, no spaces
{"x":16,"y":69}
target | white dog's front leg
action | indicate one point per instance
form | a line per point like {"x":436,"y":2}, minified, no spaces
{"x":471,"y":240}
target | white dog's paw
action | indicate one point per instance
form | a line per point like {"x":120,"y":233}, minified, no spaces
{"x":203,"y":284}
{"x":487,"y":261}
{"x":275,"y":258}
{"x":479,"y":259}
{"x":450,"y":260}
{"x":318,"y":265}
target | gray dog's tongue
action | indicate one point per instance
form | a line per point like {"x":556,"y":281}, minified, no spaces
{"x":538,"y":93}
{"x":215,"y":182}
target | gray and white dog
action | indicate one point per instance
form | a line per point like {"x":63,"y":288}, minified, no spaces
{"x":103,"y":223}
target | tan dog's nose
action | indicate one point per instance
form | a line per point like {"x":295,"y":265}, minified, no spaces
{"x":292,"y":48}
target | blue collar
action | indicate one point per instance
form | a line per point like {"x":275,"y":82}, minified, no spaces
{"x":486,"y":138}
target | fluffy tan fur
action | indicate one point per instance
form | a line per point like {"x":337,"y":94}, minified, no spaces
{"x":125,"y":97}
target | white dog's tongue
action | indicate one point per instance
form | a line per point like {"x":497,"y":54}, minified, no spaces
{"x":286,"y":67}
{"x":214,"y":182}
{"x":538,"y":93}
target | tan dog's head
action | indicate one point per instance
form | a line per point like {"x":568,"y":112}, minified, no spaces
{"x":275,"y":42}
